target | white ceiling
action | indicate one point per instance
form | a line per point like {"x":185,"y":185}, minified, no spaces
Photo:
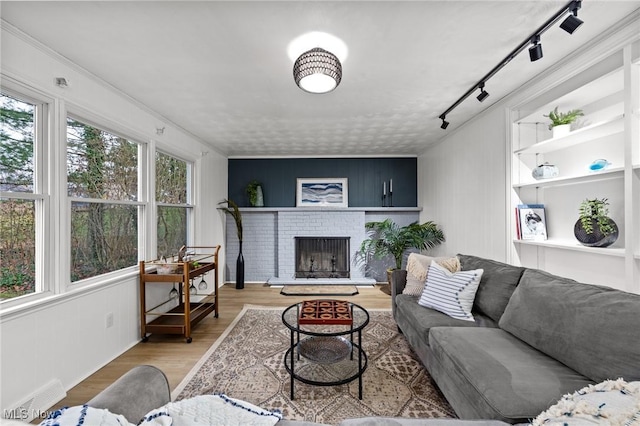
{"x":220,"y":70}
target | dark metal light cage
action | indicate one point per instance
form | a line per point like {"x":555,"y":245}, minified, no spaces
{"x":317,"y":61}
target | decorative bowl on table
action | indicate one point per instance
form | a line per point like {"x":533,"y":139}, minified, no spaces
{"x":166,"y":268}
{"x":325,"y":349}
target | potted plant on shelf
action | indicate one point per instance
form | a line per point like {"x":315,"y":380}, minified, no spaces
{"x":594,"y":227}
{"x":561,"y":121}
{"x":388,"y":238}
{"x":232,"y":210}
{"x":254,"y":192}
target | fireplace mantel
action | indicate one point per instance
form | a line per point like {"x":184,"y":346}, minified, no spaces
{"x":330,"y":209}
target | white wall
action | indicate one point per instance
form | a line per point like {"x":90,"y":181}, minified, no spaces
{"x":461,"y":187}
{"x":65,"y":337}
{"x":464,"y":179}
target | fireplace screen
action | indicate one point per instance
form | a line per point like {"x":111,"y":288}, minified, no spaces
{"x":322,"y":257}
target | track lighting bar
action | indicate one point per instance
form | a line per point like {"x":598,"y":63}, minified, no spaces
{"x":535,"y":51}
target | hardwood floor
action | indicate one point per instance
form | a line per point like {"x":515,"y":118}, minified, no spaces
{"x":172,"y":355}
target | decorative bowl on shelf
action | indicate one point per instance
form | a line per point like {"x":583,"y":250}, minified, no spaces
{"x":545,"y":171}
{"x":599,"y":165}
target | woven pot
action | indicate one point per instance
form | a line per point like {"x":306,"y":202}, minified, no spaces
{"x":596,"y":238}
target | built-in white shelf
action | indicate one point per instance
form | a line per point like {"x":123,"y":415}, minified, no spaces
{"x":594,"y":131}
{"x":612,"y":173}
{"x":570,"y":245}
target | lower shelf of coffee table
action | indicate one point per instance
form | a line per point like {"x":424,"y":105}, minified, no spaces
{"x":327,"y":373}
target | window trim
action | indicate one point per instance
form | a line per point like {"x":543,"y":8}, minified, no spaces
{"x":189,"y":205}
{"x":44,"y":137}
{"x":53,"y":234}
{"x":141,"y":203}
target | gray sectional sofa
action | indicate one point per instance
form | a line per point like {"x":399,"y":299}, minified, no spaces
{"x":145,"y":387}
{"x":535,"y":337}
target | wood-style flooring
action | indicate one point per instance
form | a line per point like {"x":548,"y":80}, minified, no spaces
{"x":175,"y":357}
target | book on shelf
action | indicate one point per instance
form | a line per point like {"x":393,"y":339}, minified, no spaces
{"x":531,"y":222}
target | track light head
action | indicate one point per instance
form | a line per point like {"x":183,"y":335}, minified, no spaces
{"x":445,"y":123}
{"x":535,"y":51}
{"x":571,"y":23}
{"x":483,"y":93}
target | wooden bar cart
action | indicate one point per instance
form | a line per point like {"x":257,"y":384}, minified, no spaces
{"x":180,"y":319}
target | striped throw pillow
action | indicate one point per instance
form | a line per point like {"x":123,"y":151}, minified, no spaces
{"x":451,"y":293}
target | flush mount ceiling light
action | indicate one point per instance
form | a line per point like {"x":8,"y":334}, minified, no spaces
{"x":572,"y":22}
{"x":317,"y":71}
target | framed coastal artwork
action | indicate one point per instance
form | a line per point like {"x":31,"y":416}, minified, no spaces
{"x":322,"y":192}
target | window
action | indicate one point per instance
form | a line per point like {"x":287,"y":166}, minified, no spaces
{"x":104,"y":201}
{"x":173,"y":203}
{"x":102,"y":184}
{"x":20,"y":198}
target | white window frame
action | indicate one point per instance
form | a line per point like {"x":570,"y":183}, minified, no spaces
{"x":189,"y":205}
{"x":90,"y":119}
{"x":44,"y":112}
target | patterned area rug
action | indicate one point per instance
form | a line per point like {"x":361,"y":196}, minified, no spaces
{"x":319,"y":290}
{"x":246,"y":362}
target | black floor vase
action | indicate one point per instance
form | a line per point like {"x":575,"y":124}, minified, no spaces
{"x":240,"y":270}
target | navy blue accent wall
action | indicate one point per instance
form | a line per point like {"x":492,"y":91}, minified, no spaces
{"x":365,"y":177}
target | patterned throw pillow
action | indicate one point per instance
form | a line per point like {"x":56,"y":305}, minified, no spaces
{"x":451,"y":293}
{"x":612,"y":402}
{"x":417,"y":268}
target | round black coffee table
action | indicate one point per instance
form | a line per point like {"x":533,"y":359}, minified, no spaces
{"x":327,"y":354}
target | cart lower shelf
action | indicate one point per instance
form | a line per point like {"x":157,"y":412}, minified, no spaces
{"x":173,"y":321}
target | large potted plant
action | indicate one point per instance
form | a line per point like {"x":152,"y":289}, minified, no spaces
{"x":594,"y":227}
{"x":561,"y":121}
{"x":232,"y":210}
{"x":387,"y":238}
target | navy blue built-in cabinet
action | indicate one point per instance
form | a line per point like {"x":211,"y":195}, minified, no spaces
{"x":365,"y":179}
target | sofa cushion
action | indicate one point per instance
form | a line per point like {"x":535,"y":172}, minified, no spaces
{"x":498,"y":282}
{"x":594,"y":330}
{"x":416,"y":321}
{"x":418,"y":267}
{"x":451,"y":293}
{"x":494,"y":375}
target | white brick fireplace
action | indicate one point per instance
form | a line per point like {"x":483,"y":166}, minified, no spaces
{"x":318,"y":223}
{"x":269,"y":240}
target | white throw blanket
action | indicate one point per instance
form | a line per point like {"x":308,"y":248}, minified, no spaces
{"x":610,"y":403}
{"x":210,"y":410}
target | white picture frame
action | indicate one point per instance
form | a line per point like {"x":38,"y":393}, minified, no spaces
{"x":322,"y":192}
{"x":532,"y":221}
